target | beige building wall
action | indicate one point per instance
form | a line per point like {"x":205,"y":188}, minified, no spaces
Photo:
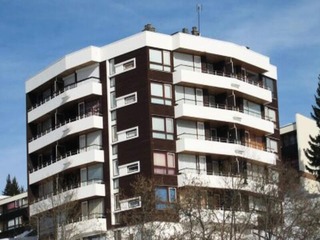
{"x":304,"y":127}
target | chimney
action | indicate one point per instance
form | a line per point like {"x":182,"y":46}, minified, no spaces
{"x":195,"y":31}
{"x":185,"y":30}
{"x":149,"y":27}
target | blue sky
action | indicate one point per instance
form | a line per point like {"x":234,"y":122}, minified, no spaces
{"x":36,"y":33}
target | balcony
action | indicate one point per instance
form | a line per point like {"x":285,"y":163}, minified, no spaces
{"x":223,"y":113}
{"x":71,"y":159}
{"x":89,"y":86}
{"x":191,"y":76}
{"x":192,"y":143}
{"x":68,"y":194}
{"x":194,"y":177}
{"x":93,"y":225}
{"x":68,"y":127}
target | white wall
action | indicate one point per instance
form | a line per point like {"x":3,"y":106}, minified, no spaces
{"x":305,"y":127}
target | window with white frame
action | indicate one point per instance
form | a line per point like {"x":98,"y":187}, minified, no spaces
{"x":128,"y":169}
{"x":164,"y":163}
{"x":123,"y":66}
{"x":160,"y":60}
{"x":126,"y":100}
{"x":161,"y":93}
{"x":127,"y":134}
{"x":272,"y":145}
{"x":162,"y":128}
{"x":165,"y":197}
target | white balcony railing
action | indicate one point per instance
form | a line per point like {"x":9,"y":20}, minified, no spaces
{"x":65,"y":89}
{"x":223,"y":81}
{"x":223,"y":113}
{"x":68,"y":194}
{"x":187,"y":142}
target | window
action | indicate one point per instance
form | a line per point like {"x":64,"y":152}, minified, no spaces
{"x":162,"y":128}
{"x":161,"y":94}
{"x":11,"y":224}
{"x":117,"y":235}
{"x":160,"y":60}
{"x":189,"y":95}
{"x":114,"y":149}
{"x":252,"y":108}
{"x":114,"y":133}
{"x":91,"y":174}
{"x":113,"y":116}
{"x":133,"y":168}
{"x":164,"y":163}
{"x":272,"y":145}
{"x":96,"y":208}
{"x":134,"y":203}
{"x":122,"y":67}
{"x":116,"y":202}
{"x":112,"y":83}
{"x":95,"y":173}
{"x":130,"y":99}
{"x":128,"y":65}
{"x":165,"y":196}
{"x":126,"y":100}
{"x":271,"y":116}
{"x":111,"y":67}
{"x":116,"y":183}
{"x":115,"y":167}
{"x":10,"y":206}
{"x":95,"y":237}
{"x":113,"y":100}
{"x":213,"y":200}
{"x":270,"y":85}
{"x":132,"y":133}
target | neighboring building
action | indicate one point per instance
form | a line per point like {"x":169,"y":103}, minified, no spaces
{"x":174,"y":107}
{"x":13,"y":215}
{"x":294,"y":139}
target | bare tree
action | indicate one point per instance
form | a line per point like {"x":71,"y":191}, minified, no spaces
{"x":273,"y":206}
{"x":207,"y":213}
{"x":55,"y":216}
{"x":294,"y":213}
{"x":152,"y":218}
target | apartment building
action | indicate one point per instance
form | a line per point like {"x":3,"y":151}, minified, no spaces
{"x":14,"y":216}
{"x":172,"y":107}
{"x":294,"y":140}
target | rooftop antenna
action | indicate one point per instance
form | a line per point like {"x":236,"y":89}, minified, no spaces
{"x":199,"y":9}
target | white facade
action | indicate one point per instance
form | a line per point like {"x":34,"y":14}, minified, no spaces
{"x":222,"y":116}
{"x":303,"y":128}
